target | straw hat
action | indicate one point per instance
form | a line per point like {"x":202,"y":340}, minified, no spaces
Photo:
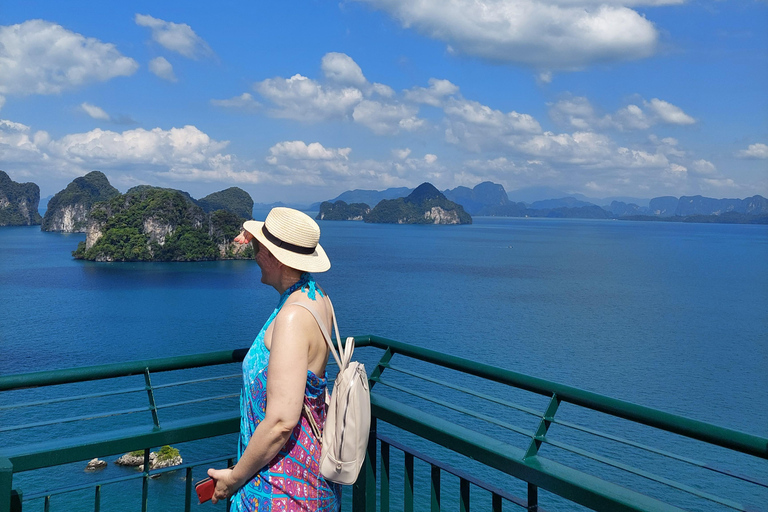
{"x":292,"y":237}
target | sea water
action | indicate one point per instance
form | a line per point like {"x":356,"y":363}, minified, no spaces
{"x":673,"y":316}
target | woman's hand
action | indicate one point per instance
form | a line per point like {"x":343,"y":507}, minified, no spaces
{"x":244,"y":237}
{"x":226,"y":485}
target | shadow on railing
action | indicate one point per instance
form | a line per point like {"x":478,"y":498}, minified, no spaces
{"x":510,"y":434}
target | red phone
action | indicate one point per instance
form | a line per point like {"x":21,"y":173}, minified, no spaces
{"x":204,"y":489}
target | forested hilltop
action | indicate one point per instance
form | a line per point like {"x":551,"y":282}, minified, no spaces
{"x":157,"y":224}
{"x":69,"y":209}
{"x":490,"y":199}
{"x":18,"y":202}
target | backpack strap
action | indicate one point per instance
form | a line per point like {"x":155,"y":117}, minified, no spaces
{"x":344,"y":353}
{"x":342,"y":357}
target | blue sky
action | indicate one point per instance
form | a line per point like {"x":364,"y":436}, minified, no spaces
{"x":300,"y":101}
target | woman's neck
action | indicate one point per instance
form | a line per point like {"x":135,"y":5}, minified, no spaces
{"x":288,"y":278}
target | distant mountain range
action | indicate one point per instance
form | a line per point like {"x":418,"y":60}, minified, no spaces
{"x":490,"y":199}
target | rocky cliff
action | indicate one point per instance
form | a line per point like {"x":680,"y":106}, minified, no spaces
{"x":157,"y":224}
{"x":342,"y":211}
{"x":18,"y":202}
{"x":425,"y":205}
{"x":68,"y":211}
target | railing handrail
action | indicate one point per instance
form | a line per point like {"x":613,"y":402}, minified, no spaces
{"x":695,"y":429}
{"x":112,"y":370}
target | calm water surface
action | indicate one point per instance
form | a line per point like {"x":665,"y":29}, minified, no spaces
{"x":672,"y":316}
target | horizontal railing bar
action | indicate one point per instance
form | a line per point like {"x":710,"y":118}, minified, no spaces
{"x":108,"y":371}
{"x":116,"y":392}
{"x":197,"y":381}
{"x":663,"y":453}
{"x":468,"y":391}
{"x":456,"y":472}
{"x":549,"y":475}
{"x":198,"y":400}
{"x":54,"y":452}
{"x":457,"y":408}
{"x":135,"y":476}
{"x":72,"y":419}
{"x":73,"y":398}
{"x":644,"y":474}
{"x":720,"y":436}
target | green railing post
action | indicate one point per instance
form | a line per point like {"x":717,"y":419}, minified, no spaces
{"x":151,"y":396}
{"x":145,"y":482}
{"x":364,"y":489}
{"x":384,"y":498}
{"x":533,"y":498}
{"x":6,"y":484}
{"x":435,"y":489}
{"x":408,"y":483}
{"x":463,"y":495}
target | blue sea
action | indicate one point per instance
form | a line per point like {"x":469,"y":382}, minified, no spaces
{"x":672,"y":316}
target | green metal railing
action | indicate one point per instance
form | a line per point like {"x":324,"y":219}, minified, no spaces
{"x":510,"y":434}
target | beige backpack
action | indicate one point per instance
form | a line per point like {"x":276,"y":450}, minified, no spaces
{"x":348,"y":420}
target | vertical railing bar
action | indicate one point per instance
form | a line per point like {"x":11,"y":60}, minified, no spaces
{"x":496,"y":503}
{"x":188,"y":489}
{"x":435,"y":488}
{"x":364,"y":489}
{"x":533,"y":498}
{"x":145,"y":479}
{"x":97,"y":500}
{"x":408,"y":483}
{"x":546,"y":421}
{"x":47,"y":503}
{"x":463,"y":495}
{"x":384,"y":501}
{"x":151,"y":396}
{"x":6,"y":484}
{"x":380,"y":367}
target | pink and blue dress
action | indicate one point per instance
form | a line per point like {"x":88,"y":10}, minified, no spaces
{"x":291,"y":481}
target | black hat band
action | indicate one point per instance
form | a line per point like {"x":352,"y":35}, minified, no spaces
{"x":285,"y":245}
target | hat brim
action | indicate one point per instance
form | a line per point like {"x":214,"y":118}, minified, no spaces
{"x":316,"y":262}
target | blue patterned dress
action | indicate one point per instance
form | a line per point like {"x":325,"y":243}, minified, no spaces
{"x":291,"y":481}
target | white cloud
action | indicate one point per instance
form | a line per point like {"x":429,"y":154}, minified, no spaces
{"x":176,"y":37}
{"x":295,"y":162}
{"x":430,"y":158}
{"x":676,"y":168}
{"x":303,"y":99}
{"x":94,"y":111}
{"x":386,"y":118}
{"x":632,"y":117}
{"x":703,"y":167}
{"x":2,"y":102}
{"x":401,"y":154}
{"x":577,"y":112}
{"x":475,"y":126}
{"x":755,"y":151}
{"x":720,"y":183}
{"x":669,"y":113}
{"x":543,"y":34}
{"x":162,"y":68}
{"x":40,"y":57}
{"x":154,"y":156}
{"x":340,"y":68}
{"x":434,"y":95}
{"x":299,"y":150}
{"x":243,"y":102}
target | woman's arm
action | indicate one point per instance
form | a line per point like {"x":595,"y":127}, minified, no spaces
{"x":286,"y":383}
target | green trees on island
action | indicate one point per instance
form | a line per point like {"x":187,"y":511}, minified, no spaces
{"x":18,"y":202}
{"x":156,"y":224}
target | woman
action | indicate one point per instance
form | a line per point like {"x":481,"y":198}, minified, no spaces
{"x":278,"y":455}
